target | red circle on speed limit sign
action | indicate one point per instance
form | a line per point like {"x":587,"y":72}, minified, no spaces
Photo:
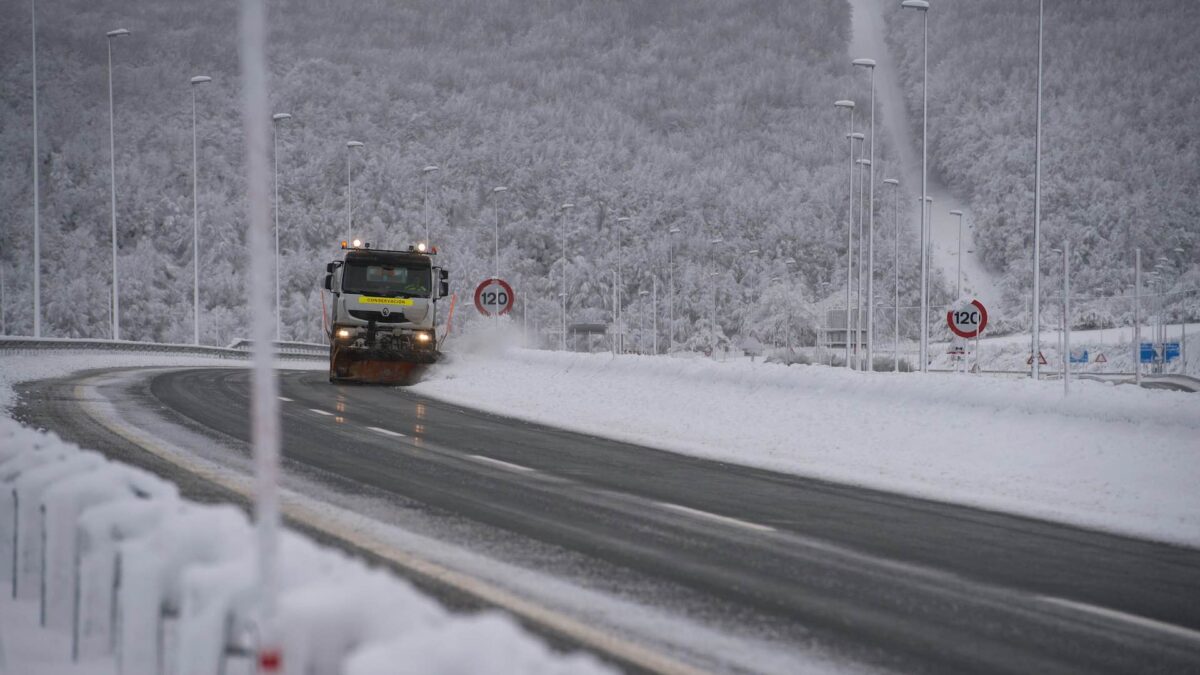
{"x":494,"y":297}
{"x":969,"y":320}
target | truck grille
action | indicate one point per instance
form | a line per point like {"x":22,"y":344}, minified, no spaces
{"x":394,"y":317}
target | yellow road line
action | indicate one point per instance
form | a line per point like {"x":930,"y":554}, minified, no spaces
{"x":296,"y":508}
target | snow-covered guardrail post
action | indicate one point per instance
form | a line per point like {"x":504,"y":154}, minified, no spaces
{"x":30,"y":485}
{"x":101,"y":530}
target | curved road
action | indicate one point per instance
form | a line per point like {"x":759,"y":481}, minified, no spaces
{"x":889,"y":581}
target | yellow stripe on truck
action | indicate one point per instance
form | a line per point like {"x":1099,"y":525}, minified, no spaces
{"x":368,"y":300}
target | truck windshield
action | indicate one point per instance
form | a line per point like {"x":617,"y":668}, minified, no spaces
{"x":382,"y":279}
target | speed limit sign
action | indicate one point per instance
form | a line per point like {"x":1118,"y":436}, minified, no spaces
{"x":494,"y":297}
{"x":968,"y":320}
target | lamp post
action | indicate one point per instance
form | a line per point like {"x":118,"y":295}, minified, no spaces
{"x":37,"y":217}
{"x":112,"y":165}
{"x":860,"y":342}
{"x":620,"y":287}
{"x":712,"y":278}
{"x":787,"y":331}
{"x":869,"y":64}
{"x":563,"y":217}
{"x":425,"y":198}
{"x":958,"y":288}
{"x":642,"y":293}
{"x":496,"y":192}
{"x":275,"y":120}
{"x":350,"y":146}
{"x":654,"y":313}
{"x":671,"y":256}
{"x":896,"y":270}
{"x":1037,"y":204}
{"x":849,"y":106}
{"x":850,"y":246}
{"x":923,"y":7}
{"x":1137,"y":317}
{"x":1066,"y":255}
{"x":195,"y":81}
{"x":928,"y":215}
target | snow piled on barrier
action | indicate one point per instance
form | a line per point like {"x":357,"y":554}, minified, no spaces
{"x":126,"y":577}
{"x":1120,"y":459}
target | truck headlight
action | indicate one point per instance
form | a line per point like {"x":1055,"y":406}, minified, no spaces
{"x":343,"y":333}
{"x":423,"y":338}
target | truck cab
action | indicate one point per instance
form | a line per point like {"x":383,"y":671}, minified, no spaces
{"x":384,"y":311}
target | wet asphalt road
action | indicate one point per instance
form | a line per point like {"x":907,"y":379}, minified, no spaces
{"x":917,"y":586}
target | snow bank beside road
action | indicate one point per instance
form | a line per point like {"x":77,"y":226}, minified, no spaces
{"x":1120,"y":459}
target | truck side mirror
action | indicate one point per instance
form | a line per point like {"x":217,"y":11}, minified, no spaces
{"x":445,"y":273}
{"x":329,"y":282}
{"x":329,"y":268}
{"x":445,"y":289}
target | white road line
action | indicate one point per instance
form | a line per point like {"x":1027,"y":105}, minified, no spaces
{"x":712,"y":516}
{"x":385,"y":432}
{"x":501,"y":463}
{"x":284,"y":398}
{"x":1116,"y":615}
{"x":321,"y":412}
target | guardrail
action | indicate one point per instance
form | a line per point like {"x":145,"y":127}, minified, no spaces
{"x":1167,"y":381}
{"x":238,"y":349}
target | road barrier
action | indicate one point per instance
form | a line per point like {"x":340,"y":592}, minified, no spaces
{"x":238,"y":349}
{"x":116,"y":559}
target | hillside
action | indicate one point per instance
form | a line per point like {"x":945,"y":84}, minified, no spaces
{"x":714,"y":118}
{"x":1121,"y":138}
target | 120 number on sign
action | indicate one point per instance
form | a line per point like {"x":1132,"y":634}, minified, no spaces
{"x":494,"y":297}
{"x":968,"y":321}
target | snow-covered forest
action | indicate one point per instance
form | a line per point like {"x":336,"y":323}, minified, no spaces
{"x":715,"y":118}
{"x":1121,"y":134}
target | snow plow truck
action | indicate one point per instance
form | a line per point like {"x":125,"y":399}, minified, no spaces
{"x":383,"y":320}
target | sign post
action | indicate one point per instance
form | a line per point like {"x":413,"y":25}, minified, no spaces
{"x":968,"y":321}
{"x":494,"y":297}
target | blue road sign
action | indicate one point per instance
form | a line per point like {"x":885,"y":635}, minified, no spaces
{"x":1172,"y":350}
{"x":1079,"y":356}
{"x":1146,"y":353}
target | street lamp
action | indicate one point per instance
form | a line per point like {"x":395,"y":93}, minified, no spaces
{"x":850,"y":239}
{"x":849,"y":106}
{"x":642,"y":293}
{"x":37,"y":217}
{"x":1037,"y":205}
{"x":563,"y":213}
{"x":425,"y":199}
{"x":923,"y":7}
{"x":869,"y":64}
{"x":896,"y":269}
{"x":958,"y":291}
{"x":860,"y":342}
{"x":275,"y":120}
{"x":112,"y":165}
{"x":197,"y":80}
{"x":1066,"y":355}
{"x":671,"y":262}
{"x":712,"y":276}
{"x":350,"y":146}
{"x":787,"y":328}
{"x":620,"y":286}
{"x":496,"y":192}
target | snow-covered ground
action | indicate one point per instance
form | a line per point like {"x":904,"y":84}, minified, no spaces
{"x":1108,"y":457}
{"x":1114,"y":345}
